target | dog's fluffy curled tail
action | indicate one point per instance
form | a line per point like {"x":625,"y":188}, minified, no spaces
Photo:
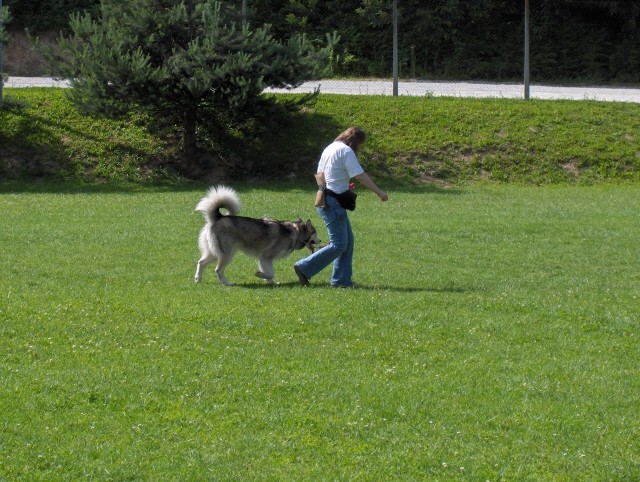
{"x":218,"y":197}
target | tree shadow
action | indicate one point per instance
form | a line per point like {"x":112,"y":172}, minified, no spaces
{"x":291,"y":147}
{"x":34,"y":155}
{"x":281,"y":143}
{"x":29,"y":149}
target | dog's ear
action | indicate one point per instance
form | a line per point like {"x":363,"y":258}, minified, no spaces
{"x":299,"y":221}
{"x":309,"y":222}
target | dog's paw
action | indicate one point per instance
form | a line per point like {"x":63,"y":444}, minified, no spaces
{"x":263,"y":276}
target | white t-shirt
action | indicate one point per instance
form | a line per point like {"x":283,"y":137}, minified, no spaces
{"x":339,"y":164}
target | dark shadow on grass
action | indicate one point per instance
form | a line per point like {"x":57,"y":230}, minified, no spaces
{"x":360,"y":287}
{"x":34,"y":156}
{"x":29,"y":150}
{"x":52,"y":186}
{"x":48,"y":185}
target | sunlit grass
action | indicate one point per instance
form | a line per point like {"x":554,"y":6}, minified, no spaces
{"x":494,"y":335}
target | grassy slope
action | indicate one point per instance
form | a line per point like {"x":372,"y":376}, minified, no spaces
{"x":42,"y":135}
{"x":442,"y":139}
{"x":497,"y":139}
{"x":494,"y":337}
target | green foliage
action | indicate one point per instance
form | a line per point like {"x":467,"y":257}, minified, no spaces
{"x":183,"y":62}
{"x":494,"y":336}
{"x":46,"y":15}
{"x":357,"y":42}
{"x":594,"y":41}
{"x":450,"y":39}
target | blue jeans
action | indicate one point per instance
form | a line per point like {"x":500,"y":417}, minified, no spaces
{"x":339,"y":251}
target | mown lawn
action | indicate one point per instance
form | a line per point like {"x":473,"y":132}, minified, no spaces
{"x":493,"y":336}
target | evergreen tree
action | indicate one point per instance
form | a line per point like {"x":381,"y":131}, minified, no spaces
{"x":180,"y":61}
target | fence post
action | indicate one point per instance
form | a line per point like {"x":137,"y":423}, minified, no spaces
{"x":1,"y":50}
{"x":395,"y":48}
{"x":244,"y":11}
{"x":527,"y":81}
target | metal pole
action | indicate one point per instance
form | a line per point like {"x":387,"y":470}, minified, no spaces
{"x":527,"y":80}
{"x":395,"y":48}
{"x":1,"y":50}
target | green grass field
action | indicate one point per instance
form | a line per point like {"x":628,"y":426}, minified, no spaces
{"x":493,"y":336}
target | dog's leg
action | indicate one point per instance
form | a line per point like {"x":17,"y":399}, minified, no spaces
{"x":223,"y":261}
{"x":202,"y":262}
{"x":265,"y":266}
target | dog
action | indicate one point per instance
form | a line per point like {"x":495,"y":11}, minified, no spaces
{"x":265,"y":239}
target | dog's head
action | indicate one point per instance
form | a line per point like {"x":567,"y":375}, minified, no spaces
{"x":307,"y":235}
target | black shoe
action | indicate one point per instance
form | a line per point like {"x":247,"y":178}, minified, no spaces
{"x":304,"y":281}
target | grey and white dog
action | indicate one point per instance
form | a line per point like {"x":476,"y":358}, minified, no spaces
{"x":265,"y":239}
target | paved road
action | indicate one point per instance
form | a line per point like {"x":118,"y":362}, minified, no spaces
{"x":469,"y":89}
{"x":449,"y":89}
{"x":19,"y":82}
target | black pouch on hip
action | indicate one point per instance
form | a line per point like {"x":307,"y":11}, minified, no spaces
{"x":346,"y":199}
